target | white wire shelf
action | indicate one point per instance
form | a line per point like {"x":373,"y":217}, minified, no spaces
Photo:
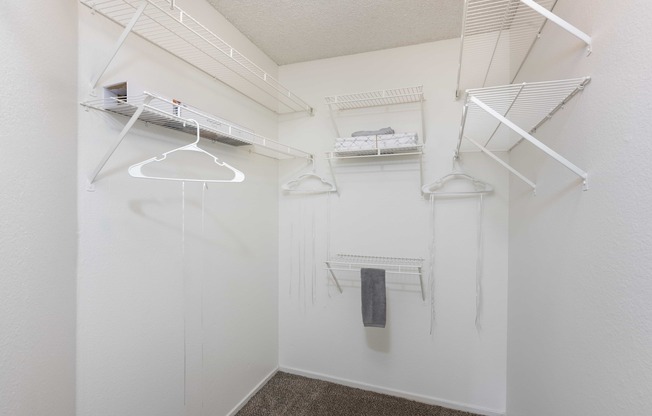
{"x":167,"y":113}
{"x":376,"y":98}
{"x":498,"y":36}
{"x":413,"y":150}
{"x":379,"y":98}
{"x":379,"y":148}
{"x":172,"y":114}
{"x":167,"y":26}
{"x":500,"y":118}
{"x":392,"y":265}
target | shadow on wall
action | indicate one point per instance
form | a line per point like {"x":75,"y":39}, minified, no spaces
{"x":139,"y":207}
{"x":379,"y":339}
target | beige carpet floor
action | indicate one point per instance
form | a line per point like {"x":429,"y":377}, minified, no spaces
{"x":290,"y":395}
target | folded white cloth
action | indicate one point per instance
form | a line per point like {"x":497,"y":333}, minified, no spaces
{"x":398,"y":140}
{"x":383,"y":141}
{"x":356,"y":143}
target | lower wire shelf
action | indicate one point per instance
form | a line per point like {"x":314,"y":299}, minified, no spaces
{"x":392,"y":265}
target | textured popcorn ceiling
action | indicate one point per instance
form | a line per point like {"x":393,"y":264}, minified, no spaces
{"x":292,"y":31}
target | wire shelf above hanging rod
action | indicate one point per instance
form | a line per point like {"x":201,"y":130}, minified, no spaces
{"x":498,"y":36}
{"x":392,"y":265}
{"x":169,"y":27}
{"x":378,"y":98}
{"x":172,"y":114}
{"x":498,"y":118}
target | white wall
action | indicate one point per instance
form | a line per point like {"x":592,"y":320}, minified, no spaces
{"x":380,"y":212}
{"x":580,"y":317}
{"x":38,"y":240}
{"x":136,"y":254}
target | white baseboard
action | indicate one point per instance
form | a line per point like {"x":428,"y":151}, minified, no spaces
{"x":397,"y":393}
{"x":251,"y":394}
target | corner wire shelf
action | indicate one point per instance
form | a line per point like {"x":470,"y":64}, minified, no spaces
{"x":378,"y":98}
{"x":172,"y":114}
{"x":370,"y":99}
{"x":167,"y":26}
{"x":500,"y":118}
{"x":392,"y":265}
{"x":496,"y":33}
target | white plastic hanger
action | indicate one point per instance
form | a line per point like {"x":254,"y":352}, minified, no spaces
{"x":136,"y":170}
{"x":294,"y":185}
{"x":439,"y":186}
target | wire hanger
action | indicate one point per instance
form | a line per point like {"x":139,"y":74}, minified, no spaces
{"x":324,"y":186}
{"x":439,"y":186}
{"x":136,"y":171}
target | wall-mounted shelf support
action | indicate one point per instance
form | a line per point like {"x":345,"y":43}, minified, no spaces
{"x":121,"y":136}
{"x":513,"y":106}
{"x":503,"y":163}
{"x":330,"y":270}
{"x":560,"y":22}
{"x":391,"y":265}
{"x":565,"y":162}
{"x":121,"y":40}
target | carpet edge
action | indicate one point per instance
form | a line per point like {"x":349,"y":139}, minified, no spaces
{"x":253,"y":392}
{"x":392,"y":392}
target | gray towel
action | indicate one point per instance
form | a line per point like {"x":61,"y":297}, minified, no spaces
{"x":385,"y":130}
{"x":373,"y":297}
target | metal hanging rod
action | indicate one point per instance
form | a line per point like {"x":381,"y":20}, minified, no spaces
{"x":172,"y":114}
{"x":498,"y":118}
{"x":414,"y":150}
{"x":392,"y":265}
{"x":497,"y":33}
{"x":167,"y":26}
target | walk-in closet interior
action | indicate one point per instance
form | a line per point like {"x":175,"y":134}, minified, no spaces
{"x":221,"y":207}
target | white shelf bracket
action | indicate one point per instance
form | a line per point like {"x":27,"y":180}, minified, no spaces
{"x":423,"y":122}
{"x":503,"y":164}
{"x":560,"y":22}
{"x":423,"y":292}
{"x":334,"y":120}
{"x":121,"y":136}
{"x":337,"y":283}
{"x":421,"y":173}
{"x":121,"y":40}
{"x":565,"y":162}
{"x":458,"y":93}
{"x":465,"y":111}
